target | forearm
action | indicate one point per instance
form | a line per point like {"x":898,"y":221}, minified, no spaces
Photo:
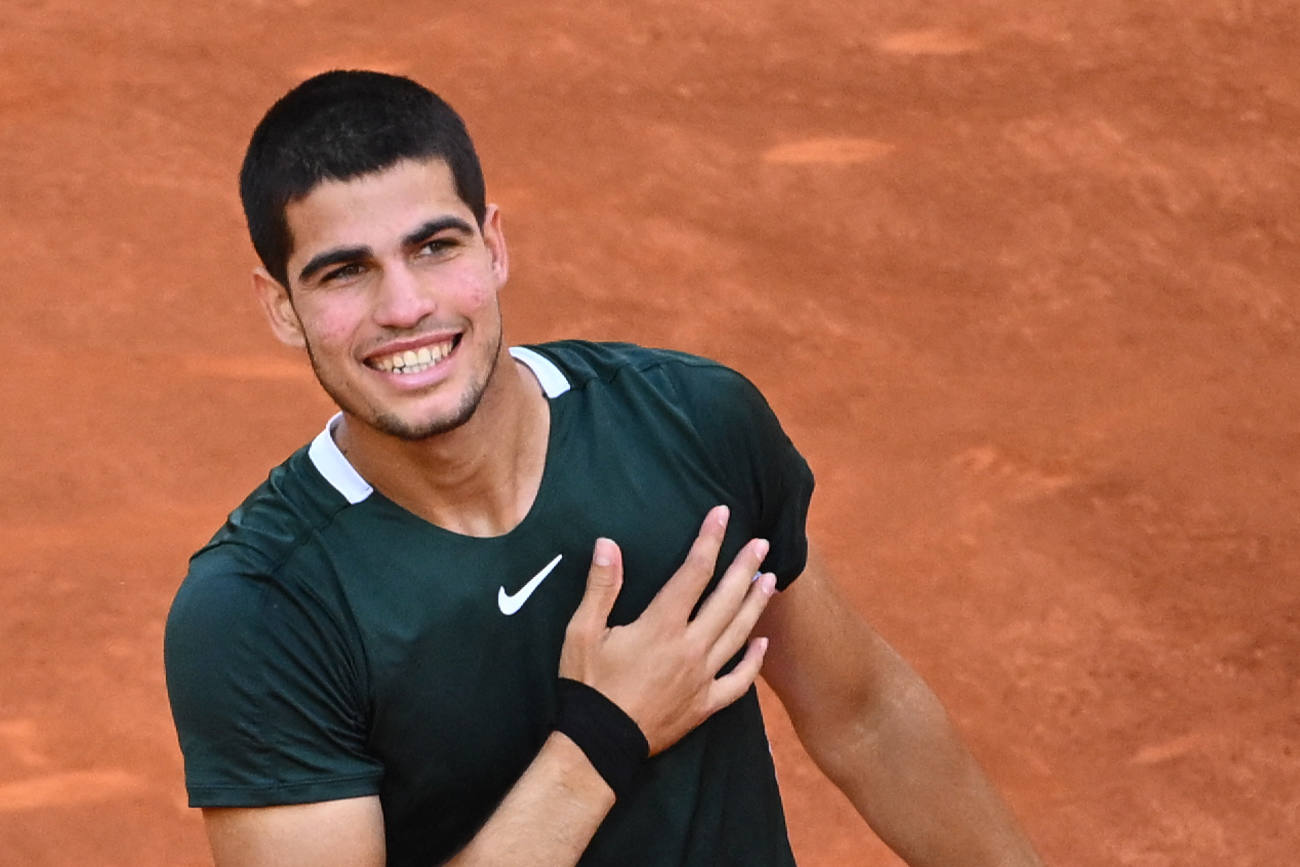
{"x":548,"y":817}
{"x":873,"y":726}
{"x":905,"y":769}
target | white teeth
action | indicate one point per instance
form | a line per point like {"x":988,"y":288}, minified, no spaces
{"x":413,"y":360}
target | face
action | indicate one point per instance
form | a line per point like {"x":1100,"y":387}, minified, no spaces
{"x":393,"y":292}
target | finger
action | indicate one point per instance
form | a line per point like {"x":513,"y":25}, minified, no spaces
{"x":737,"y":682}
{"x":738,"y":629}
{"x":678,"y":596}
{"x":726,"y":598}
{"x":604,"y":580}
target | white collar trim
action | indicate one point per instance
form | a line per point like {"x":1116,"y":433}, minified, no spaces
{"x":336,"y":469}
{"x":345,"y":479}
{"x":553,"y":380}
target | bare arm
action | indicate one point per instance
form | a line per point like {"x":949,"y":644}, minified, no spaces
{"x":548,"y":817}
{"x":343,"y":832}
{"x":874,"y":727}
{"x":661,"y":670}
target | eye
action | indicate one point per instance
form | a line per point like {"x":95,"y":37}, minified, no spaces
{"x":343,"y":272}
{"x":436,"y":247}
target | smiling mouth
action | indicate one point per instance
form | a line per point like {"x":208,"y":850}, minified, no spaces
{"x":414,"y":360}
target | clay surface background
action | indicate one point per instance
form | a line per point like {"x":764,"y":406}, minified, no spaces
{"x":1019,"y":277}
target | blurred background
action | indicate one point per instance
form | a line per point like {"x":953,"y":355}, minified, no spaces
{"x":1020,"y":279}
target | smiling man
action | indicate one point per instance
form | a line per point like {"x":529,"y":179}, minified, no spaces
{"x":508,"y":607}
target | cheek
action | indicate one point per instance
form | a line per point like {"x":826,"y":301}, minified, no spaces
{"x":331,"y":325}
{"x":477,"y":294}
{"x":484,"y":298}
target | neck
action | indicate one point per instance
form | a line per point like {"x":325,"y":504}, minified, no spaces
{"x":479,"y":479}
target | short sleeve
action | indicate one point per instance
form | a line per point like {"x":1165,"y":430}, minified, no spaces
{"x":265,"y":689}
{"x":752,"y":452}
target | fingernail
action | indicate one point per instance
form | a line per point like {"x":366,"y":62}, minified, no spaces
{"x":768,"y":585}
{"x":760,"y":548}
{"x":721,"y":514}
{"x":603,"y":555}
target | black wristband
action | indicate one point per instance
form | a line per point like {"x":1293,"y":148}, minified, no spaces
{"x":610,"y":738}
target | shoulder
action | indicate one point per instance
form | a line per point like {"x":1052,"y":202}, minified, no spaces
{"x":274,"y":520}
{"x":686,"y":379}
{"x":259,"y":603}
{"x":604,"y":358}
{"x":228,"y":579}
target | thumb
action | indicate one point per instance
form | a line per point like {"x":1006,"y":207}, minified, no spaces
{"x":604,"y":580}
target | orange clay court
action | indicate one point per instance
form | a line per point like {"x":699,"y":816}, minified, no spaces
{"x":1020,"y":278}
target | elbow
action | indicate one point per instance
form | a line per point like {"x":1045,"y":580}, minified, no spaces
{"x":876,"y":729}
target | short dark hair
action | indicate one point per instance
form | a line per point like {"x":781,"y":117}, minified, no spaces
{"x":340,"y":125}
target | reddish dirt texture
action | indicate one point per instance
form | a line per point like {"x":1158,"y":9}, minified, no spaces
{"x":1019,"y":277}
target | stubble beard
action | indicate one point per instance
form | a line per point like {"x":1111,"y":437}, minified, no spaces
{"x":394,"y":425}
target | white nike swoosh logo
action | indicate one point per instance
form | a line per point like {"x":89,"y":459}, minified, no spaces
{"x":509,"y":603}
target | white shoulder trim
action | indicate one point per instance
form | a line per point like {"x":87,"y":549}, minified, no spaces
{"x":553,"y":380}
{"x":336,"y":469}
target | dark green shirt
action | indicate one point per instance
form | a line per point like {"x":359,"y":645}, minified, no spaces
{"x":329,"y":644}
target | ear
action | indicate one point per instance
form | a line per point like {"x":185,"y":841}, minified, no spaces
{"x":494,"y":239}
{"x":278,"y":308}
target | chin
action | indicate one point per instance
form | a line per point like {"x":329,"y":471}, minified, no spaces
{"x":413,"y":430}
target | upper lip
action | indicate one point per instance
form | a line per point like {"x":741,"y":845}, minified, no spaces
{"x":410,"y":344}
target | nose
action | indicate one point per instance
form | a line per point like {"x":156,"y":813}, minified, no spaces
{"x":402,"y":299}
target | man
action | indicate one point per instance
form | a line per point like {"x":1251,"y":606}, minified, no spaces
{"x":509,"y":606}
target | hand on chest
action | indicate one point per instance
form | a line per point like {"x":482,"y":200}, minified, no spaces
{"x":453,"y":609}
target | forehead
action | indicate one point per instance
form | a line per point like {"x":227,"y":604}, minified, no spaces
{"x":374,"y":210}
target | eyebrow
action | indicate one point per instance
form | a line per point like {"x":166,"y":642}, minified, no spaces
{"x":350,"y":254}
{"x":433,"y":227}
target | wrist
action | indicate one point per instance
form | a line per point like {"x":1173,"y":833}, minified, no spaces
{"x":578,"y":777}
{"x":609,"y":738}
